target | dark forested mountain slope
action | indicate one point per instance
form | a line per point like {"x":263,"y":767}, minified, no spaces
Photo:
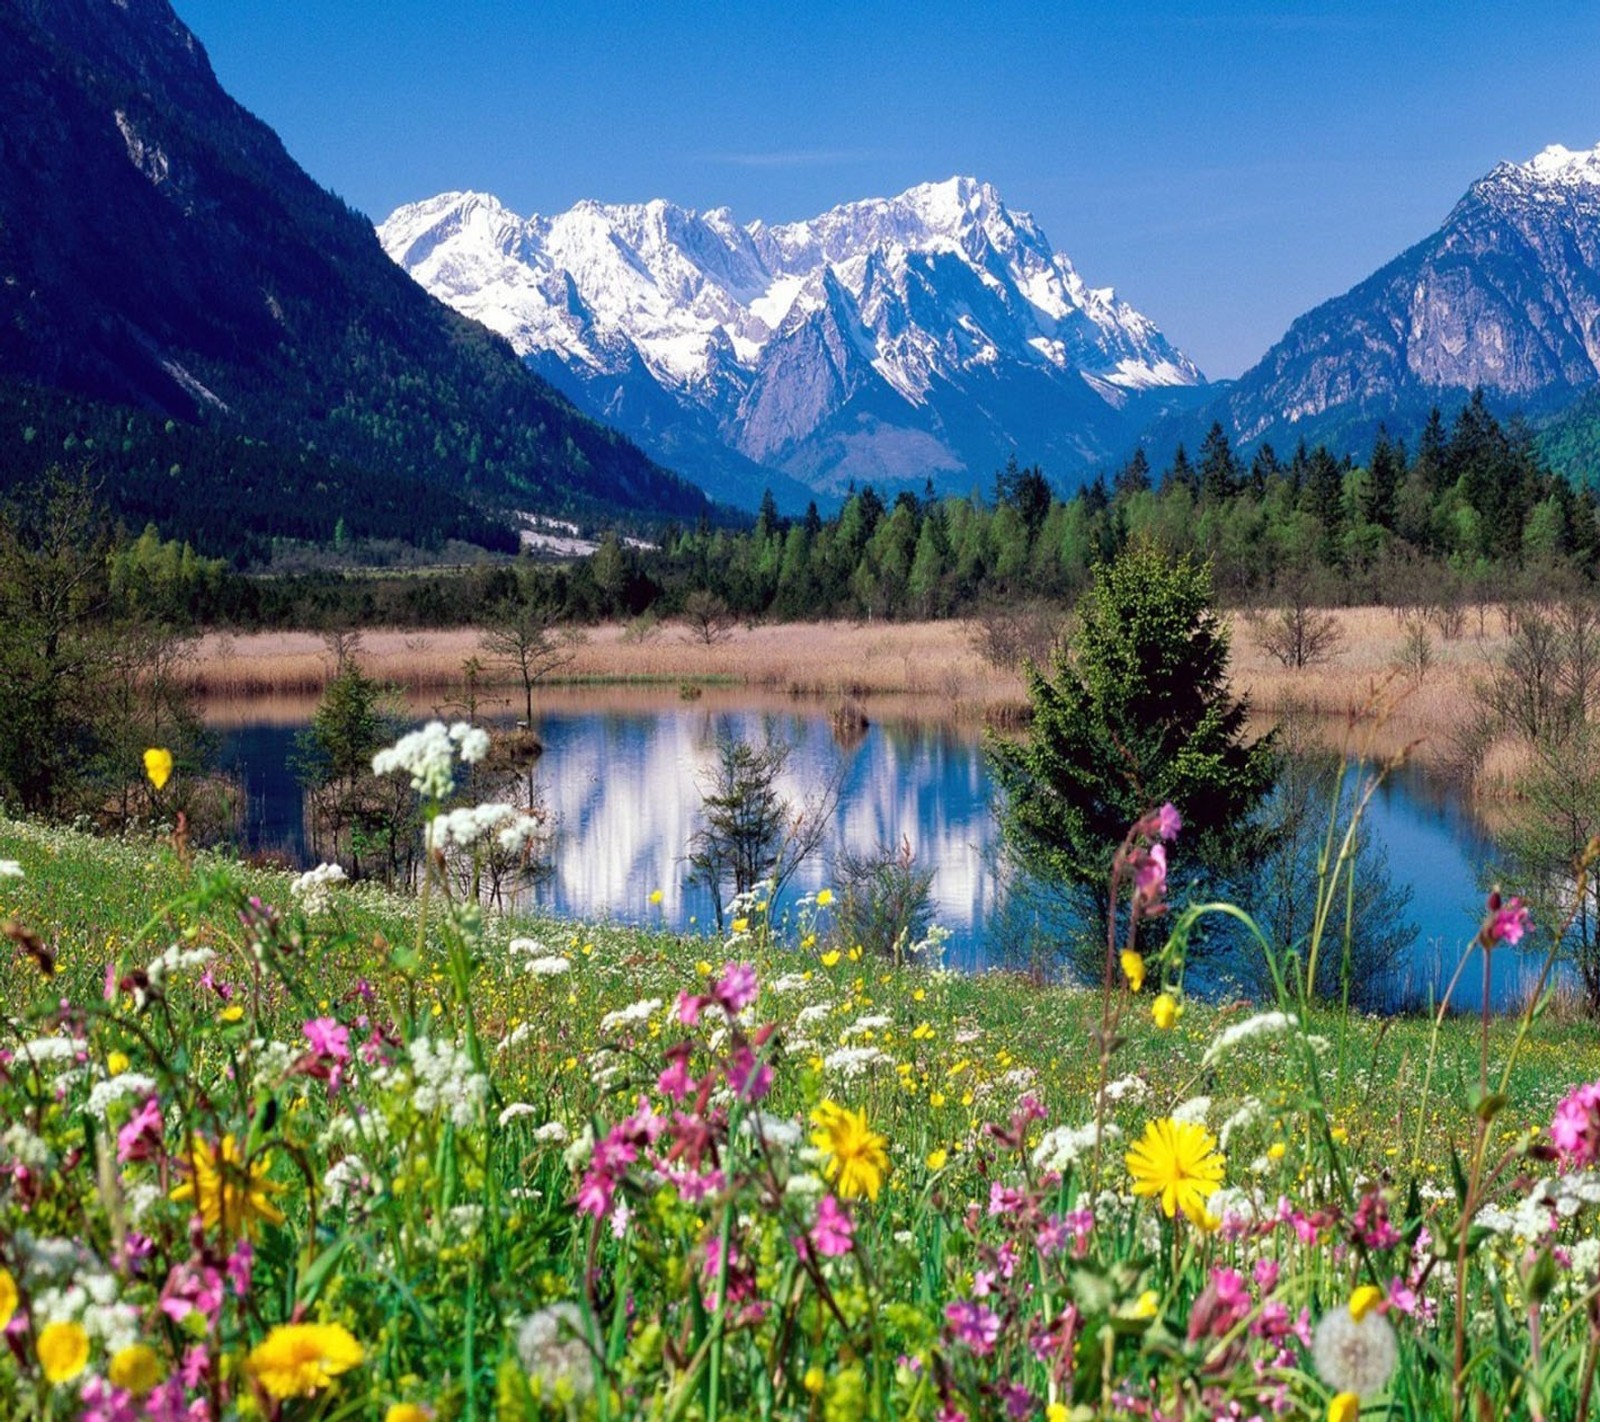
{"x":160,"y":249}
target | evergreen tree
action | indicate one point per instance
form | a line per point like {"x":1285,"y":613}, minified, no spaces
{"x":1181,"y":474}
{"x":1134,"y":476}
{"x":1219,"y":471}
{"x":1387,"y":469}
{"x":1138,"y":711}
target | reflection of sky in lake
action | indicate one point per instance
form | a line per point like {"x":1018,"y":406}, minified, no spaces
{"x":625,"y":788}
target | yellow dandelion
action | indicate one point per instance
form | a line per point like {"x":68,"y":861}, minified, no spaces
{"x":117,"y":1063}
{"x":63,"y":1351}
{"x":655,"y":897}
{"x":300,"y":1359}
{"x":224,"y":1191}
{"x":407,"y":1412}
{"x":1178,"y":1161}
{"x":937,"y":1159}
{"x":1345,"y":1407}
{"x":158,"y":766}
{"x":135,"y":1369}
{"x":824,"y":897}
{"x":831,"y":958}
{"x":857,"y":1156}
{"x":1133,"y":969}
{"x":1164,"y":1011}
{"x":8,"y":1297}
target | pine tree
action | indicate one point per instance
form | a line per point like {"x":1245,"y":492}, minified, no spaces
{"x":1137,"y":712}
{"x":1219,"y":471}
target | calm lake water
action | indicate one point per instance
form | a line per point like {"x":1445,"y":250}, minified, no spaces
{"x":623,"y":779}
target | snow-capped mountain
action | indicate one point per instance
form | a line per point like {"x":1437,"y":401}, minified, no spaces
{"x":1506,"y":295}
{"x":890,"y":340}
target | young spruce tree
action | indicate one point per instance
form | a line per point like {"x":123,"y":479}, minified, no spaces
{"x":1138,"y":712}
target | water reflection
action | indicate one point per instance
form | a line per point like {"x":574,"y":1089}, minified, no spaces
{"x":624,"y":782}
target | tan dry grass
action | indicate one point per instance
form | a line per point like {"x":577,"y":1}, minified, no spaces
{"x":929,"y":662}
{"x":924,"y":669}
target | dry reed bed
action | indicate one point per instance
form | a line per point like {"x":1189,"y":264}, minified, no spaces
{"x":913,"y":670}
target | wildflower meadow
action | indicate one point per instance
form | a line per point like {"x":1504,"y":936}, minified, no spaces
{"x":293,"y":1148}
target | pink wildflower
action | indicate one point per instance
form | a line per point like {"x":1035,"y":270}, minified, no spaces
{"x":1168,"y":821}
{"x":832,"y":1232}
{"x":736,"y":988}
{"x":973,"y":1324}
{"x":750,"y":1079}
{"x":1575,"y":1131}
{"x":1150,"y":873}
{"x":140,"y":1137}
{"x":1507,"y":922}
{"x":328,"y":1038}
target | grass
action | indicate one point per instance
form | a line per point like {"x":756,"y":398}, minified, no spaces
{"x":929,"y":669}
{"x":450,"y":1253}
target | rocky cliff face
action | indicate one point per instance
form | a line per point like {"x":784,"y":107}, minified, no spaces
{"x":893,"y":339}
{"x":1506,"y":295}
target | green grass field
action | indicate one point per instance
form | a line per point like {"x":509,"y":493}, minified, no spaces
{"x":370,"y":1180}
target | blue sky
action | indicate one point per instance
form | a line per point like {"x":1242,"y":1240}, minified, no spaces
{"x":1224,"y":166}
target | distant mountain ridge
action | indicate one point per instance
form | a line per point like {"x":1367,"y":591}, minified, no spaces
{"x":159,"y":248}
{"x":1505,"y":295}
{"x":888,"y":340}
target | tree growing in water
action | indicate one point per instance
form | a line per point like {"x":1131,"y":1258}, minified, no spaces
{"x":1135,"y":710}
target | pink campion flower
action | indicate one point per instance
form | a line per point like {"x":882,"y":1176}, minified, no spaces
{"x":239,"y":1267}
{"x":689,"y":1007}
{"x":675,"y":1082}
{"x":594,"y":1194}
{"x":973,"y":1324}
{"x":141,"y":1135}
{"x":1150,"y":872}
{"x":1265,"y":1273}
{"x":328,"y":1038}
{"x":1168,"y":821}
{"x":1003,"y":1200}
{"x":750,"y":1079}
{"x":949,"y":1412}
{"x":832,"y":1232}
{"x":1575,"y":1131}
{"x":104,"y":1403}
{"x":982,"y":1283}
{"x":736,"y":989}
{"x":1053,"y":1236}
{"x":1507,"y":921}
{"x":190,"y":1289}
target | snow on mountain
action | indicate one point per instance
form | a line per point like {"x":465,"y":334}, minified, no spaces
{"x":895,"y":338}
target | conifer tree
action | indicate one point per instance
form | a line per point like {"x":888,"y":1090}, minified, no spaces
{"x":1134,"y":712}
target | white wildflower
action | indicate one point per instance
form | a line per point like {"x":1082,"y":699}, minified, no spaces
{"x":177,"y":959}
{"x":811,"y":1016}
{"x":10,"y":869}
{"x":577,"y":1154}
{"x":779,"y":1131}
{"x":552,"y":1133}
{"x":465,"y":827}
{"x":1354,"y":1357}
{"x":21,"y":1145}
{"x":1585,"y":1260}
{"x":425,"y":756}
{"x":789,"y":982}
{"x":805,"y":1186}
{"x":1127,"y":1088}
{"x":518,"y":1036}
{"x":862,"y":1025}
{"x":552,"y":1350}
{"x":444,"y":1080}
{"x":472,"y":742}
{"x":312,"y":887}
{"x":851,"y":1062}
{"x":348,"y":1177}
{"x":1263,"y":1024}
{"x":523,"y":831}
{"x":1193,"y":1111}
{"x":515,"y":1111}
{"x":1247,"y":1115}
{"x":52,"y":1051}
{"x":130,"y":1083}
{"x":1059,"y":1150}
{"x":631,"y":1015}
{"x":550,"y":966}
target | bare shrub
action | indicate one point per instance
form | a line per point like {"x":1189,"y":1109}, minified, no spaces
{"x":1416,"y":647}
{"x":707,"y":618}
{"x":1006,"y":635}
{"x":887,"y":900}
{"x":1297,"y":635}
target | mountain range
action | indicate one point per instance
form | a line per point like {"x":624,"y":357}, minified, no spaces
{"x":159,"y":249}
{"x":190,"y":315}
{"x":889,"y":341}
{"x":1504,"y":295}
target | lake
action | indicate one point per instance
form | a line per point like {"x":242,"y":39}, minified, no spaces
{"x":623,"y":770}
